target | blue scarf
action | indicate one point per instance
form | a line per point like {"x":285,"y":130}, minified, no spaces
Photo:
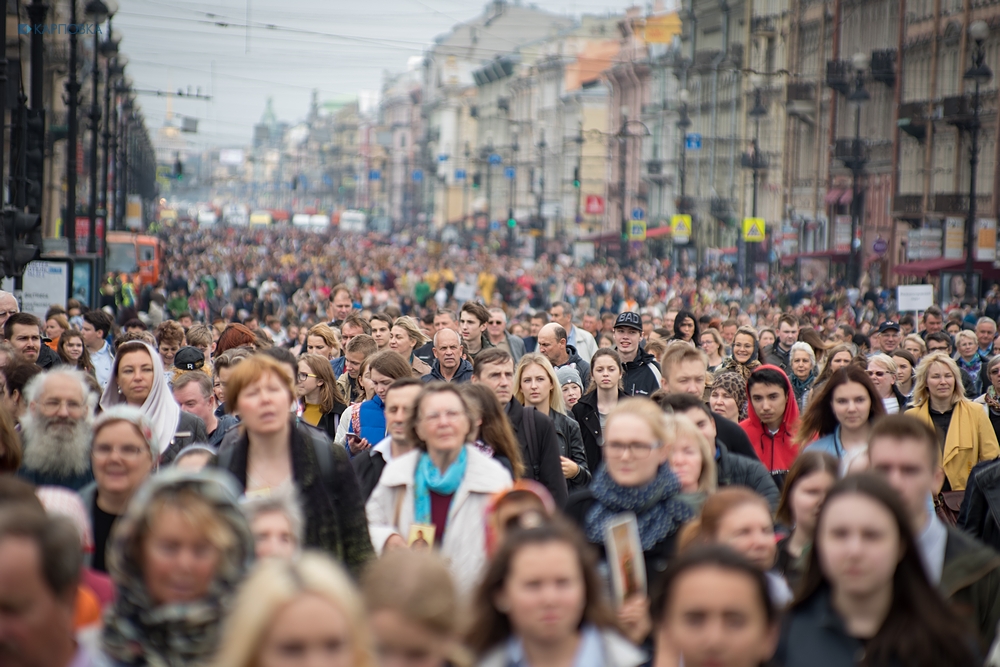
{"x":428,"y":478}
{"x":656,"y":506}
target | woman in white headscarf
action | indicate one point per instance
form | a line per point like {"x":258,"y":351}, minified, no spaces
{"x":137,"y":379}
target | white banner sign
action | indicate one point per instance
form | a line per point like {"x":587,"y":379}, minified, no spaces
{"x":913,"y":298}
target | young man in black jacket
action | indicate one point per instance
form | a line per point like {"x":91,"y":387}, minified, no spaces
{"x":494,"y":368}
{"x":399,"y":401}
{"x":642,"y":372}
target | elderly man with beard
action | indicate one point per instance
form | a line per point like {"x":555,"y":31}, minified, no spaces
{"x":56,"y":429}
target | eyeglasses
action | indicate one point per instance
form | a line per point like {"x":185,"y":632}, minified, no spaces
{"x":876,"y":374}
{"x":304,"y":376}
{"x":499,"y":322}
{"x":638,"y":450}
{"x":125,"y":451}
{"x":52,"y":405}
{"x":449,"y":416}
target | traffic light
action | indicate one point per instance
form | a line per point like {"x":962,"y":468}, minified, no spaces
{"x":476,"y":180}
{"x":34,"y":159}
{"x":23,"y":240}
{"x":178,"y":169}
{"x":576,"y":177}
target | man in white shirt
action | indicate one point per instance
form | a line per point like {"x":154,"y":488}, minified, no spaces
{"x":96,"y":325}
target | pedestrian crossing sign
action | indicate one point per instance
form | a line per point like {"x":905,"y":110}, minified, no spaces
{"x":680,"y":226}
{"x":753,"y":230}
{"x":637,"y":230}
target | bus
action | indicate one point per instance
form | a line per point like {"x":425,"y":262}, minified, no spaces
{"x":137,"y":255}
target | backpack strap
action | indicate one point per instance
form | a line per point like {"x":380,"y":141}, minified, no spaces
{"x":534,"y":458}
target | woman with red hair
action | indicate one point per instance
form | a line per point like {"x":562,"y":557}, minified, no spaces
{"x":235,"y":335}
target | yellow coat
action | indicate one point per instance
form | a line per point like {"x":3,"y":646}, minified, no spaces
{"x":970,"y":439}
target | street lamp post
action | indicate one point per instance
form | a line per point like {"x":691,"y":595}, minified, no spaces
{"x":98,"y":13}
{"x":72,"y":129}
{"x":109,"y":49}
{"x":623,"y":184}
{"x":856,"y":163}
{"x":756,"y":163}
{"x":980,"y":74}
{"x":541,"y":177}
{"x":465,"y":187}
{"x":514,"y":148}
{"x":577,"y":174}
{"x":683,"y":123}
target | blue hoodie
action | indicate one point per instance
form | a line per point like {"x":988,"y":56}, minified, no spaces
{"x":371,"y":414}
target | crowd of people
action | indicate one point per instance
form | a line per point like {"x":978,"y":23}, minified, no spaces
{"x":299,"y":450}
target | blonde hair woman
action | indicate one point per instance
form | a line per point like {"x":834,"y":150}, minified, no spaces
{"x":413,"y":609}
{"x":404,"y":338}
{"x":692,"y":459}
{"x":322,"y":340}
{"x":963,"y":427}
{"x":536,"y":385}
{"x":310,"y":604}
{"x":916,"y":346}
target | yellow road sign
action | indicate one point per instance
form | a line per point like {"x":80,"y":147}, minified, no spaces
{"x":637,"y":230}
{"x":680,"y":225}
{"x":753,"y":230}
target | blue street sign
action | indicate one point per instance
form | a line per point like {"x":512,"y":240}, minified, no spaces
{"x":638,"y":213}
{"x":693,"y":141}
{"x":459,"y":174}
{"x":443,"y":157}
{"x":418,"y":175}
{"x":495,"y":158}
{"x":494,"y":225}
{"x":509,"y":173}
{"x":374,"y":175}
{"x":327,"y":180}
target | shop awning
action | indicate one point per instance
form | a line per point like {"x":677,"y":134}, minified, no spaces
{"x":847,"y":197}
{"x":833,"y":196}
{"x":922,"y":267}
{"x":657,"y":231}
{"x":788,"y":260}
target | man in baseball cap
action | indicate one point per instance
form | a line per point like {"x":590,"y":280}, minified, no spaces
{"x":888,"y":337}
{"x":642,"y":372}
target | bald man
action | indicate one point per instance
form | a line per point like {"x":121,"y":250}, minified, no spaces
{"x":552,"y":342}
{"x":8,"y":306}
{"x":449,"y":366}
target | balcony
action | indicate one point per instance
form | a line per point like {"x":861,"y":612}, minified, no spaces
{"x":721,"y":208}
{"x":957,"y":203}
{"x":764,"y":26}
{"x":884,"y":66}
{"x":838,"y":75}
{"x":852,"y":152}
{"x":752,"y":160}
{"x":800,"y":101}
{"x":913,"y":119}
{"x":908,"y":207}
{"x":956,"y":111}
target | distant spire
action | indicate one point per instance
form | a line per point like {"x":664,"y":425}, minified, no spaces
{"x":313,"y":108}
{"x":270,"y":119}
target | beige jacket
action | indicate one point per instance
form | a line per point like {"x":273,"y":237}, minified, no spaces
{"x":391,"y":510}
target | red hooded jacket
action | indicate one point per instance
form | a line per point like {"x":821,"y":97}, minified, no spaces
{"x":778,"y":451}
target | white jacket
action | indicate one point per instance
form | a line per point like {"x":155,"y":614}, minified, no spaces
{"x":390,"y":509}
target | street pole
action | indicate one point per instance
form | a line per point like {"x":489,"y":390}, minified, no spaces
{"x":622,"y":184}
{"x":511,"y":229}
{"x":95,"y":131}
{"x":465,"y":188}
{"x":683,"y":123}
{"x":541,"y":179}
{"x":980,"y":74}
{"x":856,"y":163}
{"x":747,"y":250}
{"x":578,"y":217}
{"x":72,"y":93}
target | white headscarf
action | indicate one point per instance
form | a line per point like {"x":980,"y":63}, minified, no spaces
{"x":160,"y":407}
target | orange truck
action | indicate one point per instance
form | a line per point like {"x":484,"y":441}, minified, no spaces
{"x":138,"y":255}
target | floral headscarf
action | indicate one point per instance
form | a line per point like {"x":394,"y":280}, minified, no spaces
{"x":139,"y":632}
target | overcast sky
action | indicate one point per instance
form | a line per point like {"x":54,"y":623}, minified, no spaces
{"x":339,"y":47}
